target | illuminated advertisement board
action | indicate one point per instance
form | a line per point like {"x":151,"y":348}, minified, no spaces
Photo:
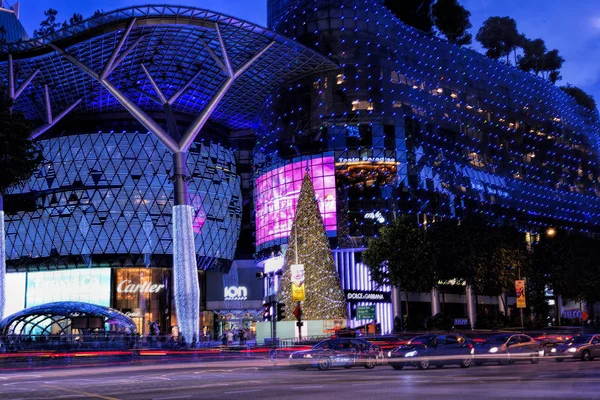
{"x":277,"y":193}
{"x":87,"y":285}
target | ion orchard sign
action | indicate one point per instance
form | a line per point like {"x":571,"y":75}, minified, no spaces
{"x":236,"y":293}
{"x":127,"y":287}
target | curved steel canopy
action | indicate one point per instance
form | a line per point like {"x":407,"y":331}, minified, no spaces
{"x":58,"y":315}
{"x":180,"y":47}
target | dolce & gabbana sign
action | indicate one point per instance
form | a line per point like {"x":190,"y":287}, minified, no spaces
{"x":370,"y":296}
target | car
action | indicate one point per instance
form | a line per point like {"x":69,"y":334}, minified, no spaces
{"x":341,"y":352}
{"x":439,"y":350}
{"x":508,"y":348}
{"x":583,"y":347}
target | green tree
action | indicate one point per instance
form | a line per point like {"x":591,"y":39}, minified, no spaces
{"x":49,"y":25}
{"x":534,"y":52}
{"x":581,"y":97}
{"x":539,"y":61}
{"x":478,"y":254}
{"x":74,"y":20}
{"x":499,"y":37}
{"x":401,"y":255}
{"x":447,"y":17}
{"x":452,"y":20}
{"x":552,"y":64}
{"x":415,"y":13}
{"x":324,"y":295}
{"x":19,"y":157}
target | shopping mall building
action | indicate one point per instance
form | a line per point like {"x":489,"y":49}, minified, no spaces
{"x":388,"y":120}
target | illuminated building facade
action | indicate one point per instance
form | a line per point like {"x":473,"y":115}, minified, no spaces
{"x":419,"y":126}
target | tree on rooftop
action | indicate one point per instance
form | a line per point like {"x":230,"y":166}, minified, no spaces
{"x":581,"y":97}
{"x":499,"y":37}
{"x":49,"y":25}
{"x":447,"y":17}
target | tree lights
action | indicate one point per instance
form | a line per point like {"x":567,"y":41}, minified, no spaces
{"x":309,"y":246}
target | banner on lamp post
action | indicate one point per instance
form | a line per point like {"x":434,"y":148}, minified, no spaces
{"x":520,"y":290}
{"x":297,"y":271}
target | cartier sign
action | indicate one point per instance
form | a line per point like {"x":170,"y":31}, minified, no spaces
{"x":127,"y":287}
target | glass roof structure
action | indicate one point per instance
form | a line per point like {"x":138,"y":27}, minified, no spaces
{"x":176,"y":45}
{"x":57,"y":317}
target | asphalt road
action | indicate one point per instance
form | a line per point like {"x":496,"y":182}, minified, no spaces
{"x":257,"y":379}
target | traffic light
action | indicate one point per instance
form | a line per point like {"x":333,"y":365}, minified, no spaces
{"x":267,"y":312}
{"x":280,"y":311}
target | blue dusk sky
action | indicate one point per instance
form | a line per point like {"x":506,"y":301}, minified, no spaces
{"x":571,"y":26}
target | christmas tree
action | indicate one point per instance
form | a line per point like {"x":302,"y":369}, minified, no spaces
{"x":324,"y":298}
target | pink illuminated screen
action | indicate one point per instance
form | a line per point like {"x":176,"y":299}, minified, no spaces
{"x":277,"y":193}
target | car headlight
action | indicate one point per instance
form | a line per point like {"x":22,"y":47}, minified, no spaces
{"x":472,"y":350}
{"x":389,"y":353}
{"x":411,"y":353}
{"x":572,"y":349}
{"x":553,"y":351}
{"x":291,"y":356}
{"x":493,"y":350}
{"x":308,"y":356}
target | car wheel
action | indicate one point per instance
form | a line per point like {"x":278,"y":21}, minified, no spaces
{"x":466,"y":363}
{"x":423,"y":364}
{"x":397,"y":366}
{"x":535,"y":359}
{"x":586,"y":356}
{"x":559,"y":359}
{"x":370,"y":363}
{"x":324,"y":364}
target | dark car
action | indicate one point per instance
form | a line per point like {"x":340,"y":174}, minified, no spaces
{"x":340,"y":352}
{"x":439,"y":350}
{"x":584,"y":347}
{"x":508,"y":348}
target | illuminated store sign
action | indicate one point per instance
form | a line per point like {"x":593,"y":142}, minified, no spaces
{"x":277,"y":193}
{"x":236,"y":293}
{"x":87,"y":285}
{"x":375,"y":216}
{"x":366,"y":159}
{"x":127,"y":287}
{"x":371,"y":296}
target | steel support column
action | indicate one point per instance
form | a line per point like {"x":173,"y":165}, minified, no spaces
{"x":435,"y":301}
{"x":471,"y":306}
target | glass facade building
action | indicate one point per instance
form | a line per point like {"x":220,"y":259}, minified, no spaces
{"x":421,"y":126}
{"x":106,"y":199}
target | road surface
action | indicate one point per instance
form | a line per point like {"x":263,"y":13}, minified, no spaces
{"x":258,"y":379}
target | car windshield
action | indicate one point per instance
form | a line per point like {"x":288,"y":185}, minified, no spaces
{"x":424,"y":340}
{"x":497,"y":339}
{"x":579,"y":340}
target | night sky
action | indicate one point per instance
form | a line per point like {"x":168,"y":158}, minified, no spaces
{"x":571,"y":26}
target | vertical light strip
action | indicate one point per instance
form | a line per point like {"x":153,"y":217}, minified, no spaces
{"x":2,"y":264}
{"x":185,"y":273}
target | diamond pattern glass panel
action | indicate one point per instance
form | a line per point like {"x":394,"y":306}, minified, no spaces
{"x":110,"y":193}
